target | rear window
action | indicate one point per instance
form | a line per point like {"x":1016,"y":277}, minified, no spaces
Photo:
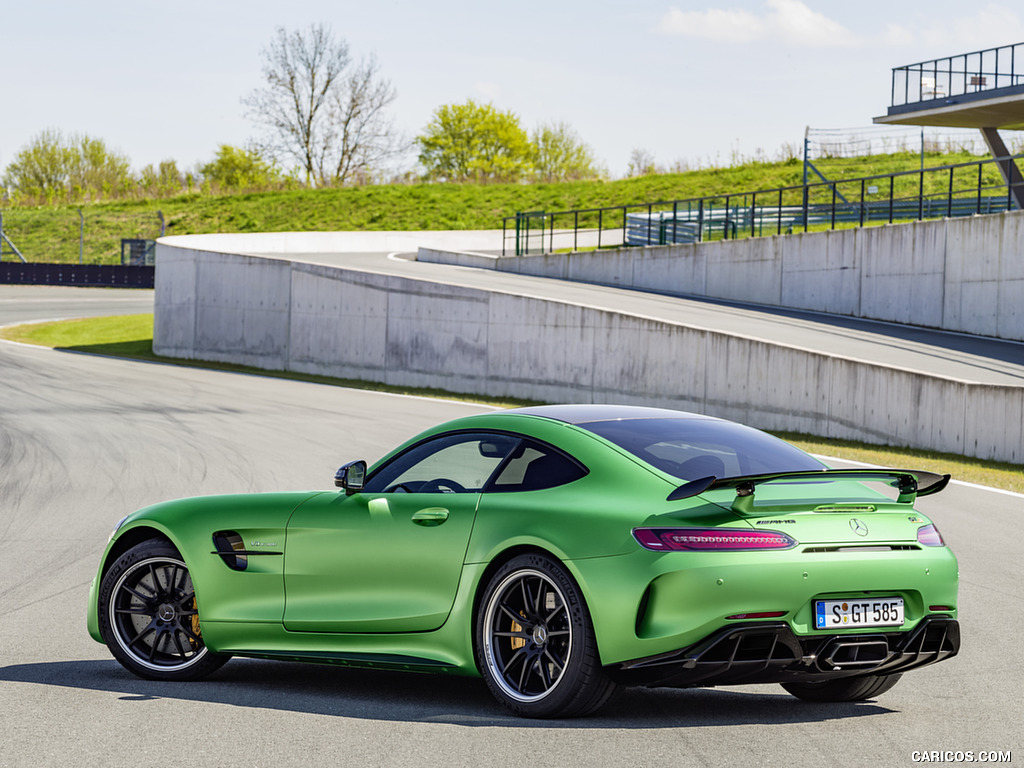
{"x":693,"y":448}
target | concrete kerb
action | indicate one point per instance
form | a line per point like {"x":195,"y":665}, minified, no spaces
{"x":286,"y":314}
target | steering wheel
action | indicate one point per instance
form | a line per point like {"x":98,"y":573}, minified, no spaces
{"x":442,"y":485}
{"x":397,"y":488}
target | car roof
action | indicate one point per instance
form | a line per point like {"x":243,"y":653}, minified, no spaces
{"x":587,"y":413}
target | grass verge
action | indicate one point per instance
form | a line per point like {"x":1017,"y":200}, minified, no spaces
{"x":131,"y":336}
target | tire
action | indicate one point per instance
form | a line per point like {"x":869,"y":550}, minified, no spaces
{"x":148,"y":616}
{"x":535,"y":644}
{"x":844,"y":689}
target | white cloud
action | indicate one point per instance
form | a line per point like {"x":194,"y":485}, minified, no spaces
{"x":788,"y":20}
{"x":990,"y":26}
{"x":714,"y":24}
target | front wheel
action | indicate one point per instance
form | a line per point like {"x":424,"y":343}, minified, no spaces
{"x":149,"y":618}
{"x":844,"y":689}
{"x":534,"y":642}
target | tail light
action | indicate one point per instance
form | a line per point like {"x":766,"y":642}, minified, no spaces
{"x":710,"y":539}
{"x":929,"y":536}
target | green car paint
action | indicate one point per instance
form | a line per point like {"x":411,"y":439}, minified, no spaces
{"x":395,"y":579}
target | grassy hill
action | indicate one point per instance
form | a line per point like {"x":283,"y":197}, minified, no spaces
{"x":52,"y":234}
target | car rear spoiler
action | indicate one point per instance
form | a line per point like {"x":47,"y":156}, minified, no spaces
{"x":911,"y":483}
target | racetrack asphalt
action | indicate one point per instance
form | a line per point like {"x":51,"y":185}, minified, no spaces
{"x":84,"y":440}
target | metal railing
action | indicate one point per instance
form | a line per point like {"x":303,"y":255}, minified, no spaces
{"x":962,"y":75}
{"x":964,"y":189}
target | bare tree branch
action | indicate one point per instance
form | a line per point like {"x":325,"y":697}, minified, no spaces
{"x":322,"y":110}
{"x":301,"y":70}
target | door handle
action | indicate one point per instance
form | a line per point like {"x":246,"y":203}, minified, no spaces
{"x":430,"y":516}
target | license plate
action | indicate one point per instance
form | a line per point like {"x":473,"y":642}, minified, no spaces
{"x":846,"y":614}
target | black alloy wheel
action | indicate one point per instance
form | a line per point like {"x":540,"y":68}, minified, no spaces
{"x":534,"y":641}
{"x":149,"y":616}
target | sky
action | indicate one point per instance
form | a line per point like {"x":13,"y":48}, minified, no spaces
{"x":689,"y":81}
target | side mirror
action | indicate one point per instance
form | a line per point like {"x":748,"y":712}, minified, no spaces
{"x":351,"y":476}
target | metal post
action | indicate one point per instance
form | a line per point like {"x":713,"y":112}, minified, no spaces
{"x":833,"y":206}
{"x":5,"y":239}
{"x":600,"y":221}
{"x":779,"y":230}
{"x":575,"y":230}
{"x":978,"y":210}
{"x":650,"y":209}
{"x":700,"y":221}
{"x":675,"y":218}
{"x":504,"y":222}
{"x":920,"y":196}
{"x":725,"y":229}
{"x":949,"y":201}
{"x":551,"y":238}
{"x":892,"y":181}
{"x":753,"y":212}
{"x":862,"y":202}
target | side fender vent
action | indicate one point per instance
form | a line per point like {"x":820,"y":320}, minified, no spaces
{"x":231,"y":548}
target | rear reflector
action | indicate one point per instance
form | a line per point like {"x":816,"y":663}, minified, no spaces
{"x":762,"y":615}
{"x":710,"y":539}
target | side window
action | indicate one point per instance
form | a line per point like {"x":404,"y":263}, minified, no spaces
{"x":459,"y":463}
{"x":534,"y":467}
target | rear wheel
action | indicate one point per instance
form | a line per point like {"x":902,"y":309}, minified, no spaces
{"x":149,"y":618}
{"x":844,"y":689}
{"x":535,"y":644}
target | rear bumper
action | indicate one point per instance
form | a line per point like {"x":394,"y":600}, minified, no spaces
{"x":772,"y":653}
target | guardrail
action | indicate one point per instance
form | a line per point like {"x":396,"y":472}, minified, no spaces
{"x":963,"y":189}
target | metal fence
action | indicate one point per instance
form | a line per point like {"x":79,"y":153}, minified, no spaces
{"x":964,"y":189}
{"x":82,"y":236}
{"x":971,"y":75}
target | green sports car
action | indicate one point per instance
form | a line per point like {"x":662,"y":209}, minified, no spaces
{"x":559,"y":552}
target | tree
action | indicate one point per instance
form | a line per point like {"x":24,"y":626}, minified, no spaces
{"x":162,"y":180}
{"x":94,"y":168}
{"x":320,"y":109}
{"x":52,"y":165}
{"x":40,"y":167}
{"x":641,"y":163}
{"x":473,"y":141}
{"x":237,"y":169}
{"x":560,"y":155}
{"x":362,"y":137}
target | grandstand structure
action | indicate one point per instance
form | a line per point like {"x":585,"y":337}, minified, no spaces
{"x":983,"y":90}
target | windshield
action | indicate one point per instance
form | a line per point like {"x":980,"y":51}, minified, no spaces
{"x":694,"y":448}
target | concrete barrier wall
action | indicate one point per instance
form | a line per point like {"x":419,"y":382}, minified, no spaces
{"x":280,"y":314}
{"x":963,"y":274}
